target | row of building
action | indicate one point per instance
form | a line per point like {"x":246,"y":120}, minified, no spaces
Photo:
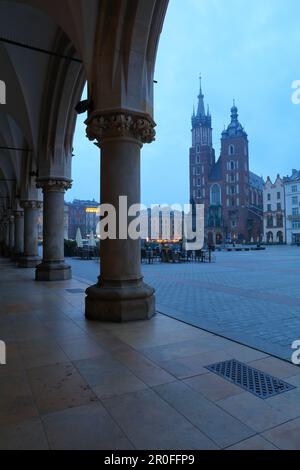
{"x":281,"y":205}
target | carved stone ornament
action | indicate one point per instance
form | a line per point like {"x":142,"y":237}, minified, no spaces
{"x":54,"y":184}
{"x":102,"y":126}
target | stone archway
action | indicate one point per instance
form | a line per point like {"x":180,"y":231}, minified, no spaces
{"x":112,"y":46}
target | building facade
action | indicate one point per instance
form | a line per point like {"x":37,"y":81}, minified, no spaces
{"x":162,"y":223}
{"x":231,"y":194}
{"x":292,"y":207}
{"x":274,"y":211}
{"x":83,"y":215}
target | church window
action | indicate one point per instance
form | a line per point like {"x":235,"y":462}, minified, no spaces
{"x":232,"y":165}
{"x":199,"y":192}
{"x":198,"y":182}
{"x":232,"y":190}
{"x":198,"y":170}
{"x":231,"y":150}
{"x":215,"y":195}
{"x":198,"y":159}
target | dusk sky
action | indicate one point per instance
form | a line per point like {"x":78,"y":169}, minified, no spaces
{"x":247,"y":50}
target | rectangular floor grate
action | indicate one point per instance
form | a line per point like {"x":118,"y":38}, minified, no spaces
{"x":254,"y":381}
{"x":75,"y":291}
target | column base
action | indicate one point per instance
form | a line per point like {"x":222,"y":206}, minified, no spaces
{"x":125,"y":303}
{"x":53,"y":272}
{"x":29,"y":261}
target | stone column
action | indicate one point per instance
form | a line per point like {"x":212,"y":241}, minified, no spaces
{"x":7,"y":234}
{"x":11,"y":234}
{"x":120,"y":294}
{"x":53,"y":267}
{"x":31,"y":212}
{"x":19,"y":233}
{"x":4,"y":237}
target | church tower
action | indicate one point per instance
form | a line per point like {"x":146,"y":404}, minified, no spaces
{"x":235,"y":170}
{"x":202,"y":154}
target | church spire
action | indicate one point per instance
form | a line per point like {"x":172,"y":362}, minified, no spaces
{"x":201,"y":108}
{"x":201,"y":118}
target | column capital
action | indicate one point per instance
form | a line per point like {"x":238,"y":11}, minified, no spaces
{"x":107,"y":125}
{"x":31,"y":204}
{"x":54,"y":184}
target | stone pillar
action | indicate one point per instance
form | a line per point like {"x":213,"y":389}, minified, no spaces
{"x":19,"y":233}
{"x":4,"y":237}
{"x":31,"y":212}
{"x":120,"y":294}
{"x":53,"y":267}
{"x":11,"y":234}
{"x":7,"y":234}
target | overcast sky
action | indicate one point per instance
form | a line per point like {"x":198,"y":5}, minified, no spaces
{"x":245,"y":49}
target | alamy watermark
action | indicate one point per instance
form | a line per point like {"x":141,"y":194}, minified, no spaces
{"x":2,"y":92}
{"x":296,"y":353}
{"x":2,"y":353}
{"x":135,"y":222}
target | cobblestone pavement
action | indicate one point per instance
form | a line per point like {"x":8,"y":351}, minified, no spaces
{"x":250,"y":297}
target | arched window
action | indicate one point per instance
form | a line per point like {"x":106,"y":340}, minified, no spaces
{"x":215,"y":195}
{"x":232,"y":165}
{"x":231,"y":150}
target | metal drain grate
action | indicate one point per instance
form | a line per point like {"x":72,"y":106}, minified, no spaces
{"x":254,"y":381}
{"x":75,"y":291}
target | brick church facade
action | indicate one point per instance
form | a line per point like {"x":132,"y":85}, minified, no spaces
{"x":231,"y":193}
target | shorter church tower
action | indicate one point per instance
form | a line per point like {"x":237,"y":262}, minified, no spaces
{"x":235,"y":170}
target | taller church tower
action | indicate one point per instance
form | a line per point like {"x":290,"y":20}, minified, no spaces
{"x":202,"y":154}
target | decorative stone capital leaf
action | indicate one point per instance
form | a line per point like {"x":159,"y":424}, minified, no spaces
{"x":119,"y":124}
{"x":54,"y":184}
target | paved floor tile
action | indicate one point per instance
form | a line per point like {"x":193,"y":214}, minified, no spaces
{"x":86,"y":427}
{"x":57,"y":387}
{"x":150,"y":423}
{"x":218,"y":425}
{"x":253,"y":411}
{"x":28,"y":435}
{"x":286,"y":436}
